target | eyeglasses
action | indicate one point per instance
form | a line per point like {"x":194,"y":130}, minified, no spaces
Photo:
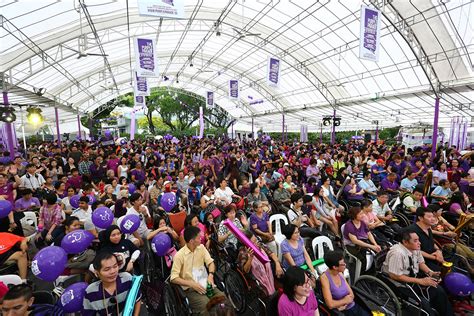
{"x":342,"y":264}
{"x":307,"y":283}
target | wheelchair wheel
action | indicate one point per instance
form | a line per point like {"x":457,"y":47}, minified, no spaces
{"x":383,"y":297}
{"x":235,"y":290}
{"x":170,"y":302}
{"x":403,"y":220}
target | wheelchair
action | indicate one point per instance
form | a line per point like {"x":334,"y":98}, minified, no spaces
{"x":241,"y":288}
{"x":386,"y":295}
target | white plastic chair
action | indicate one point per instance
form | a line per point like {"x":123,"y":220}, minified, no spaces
{"x":30,"y":219}
{"x":358,"y":268}
{"x":319,"y":243}
{"x":279,"y":237}
{"x":10,"y":279}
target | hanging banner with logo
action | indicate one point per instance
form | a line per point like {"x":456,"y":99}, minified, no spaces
{"x":273,"y":71}
{"x":162,"y":8}
{"x":303,"y":133}
{"x":234,"y":89}
{"x":139,"y":103}
{"x":146,"y":60}
{"x":210,"y":98}
{"x":369,"y":42}
{"x":141,"y":86}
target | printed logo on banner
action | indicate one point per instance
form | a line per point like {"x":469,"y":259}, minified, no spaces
{"x":139,"y":103}
{"x":162,"y":8}
{"x":141,"y":86}
{"x":210,"y":98}
{"x":146,"y":61}
{"x":273,"y":71}
{"x":369,"y":42}
{"x":234,"y":89}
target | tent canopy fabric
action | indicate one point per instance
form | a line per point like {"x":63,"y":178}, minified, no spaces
{"x":427,"y":49}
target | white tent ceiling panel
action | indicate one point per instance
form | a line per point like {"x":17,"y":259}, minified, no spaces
{"x":317,"y":42}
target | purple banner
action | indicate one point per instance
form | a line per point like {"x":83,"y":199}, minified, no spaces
{"x":234,"y":89}
{"x":273,"y":71}
{"x":369,"y":41}
{"x":141,"y":86}
{"x":210,"y":98}
{"x":146,"y":62}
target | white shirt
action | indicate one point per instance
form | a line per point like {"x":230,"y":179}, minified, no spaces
{"x":225,"y":194}
{"x":32,"y":182}
{"x":378,"y":210}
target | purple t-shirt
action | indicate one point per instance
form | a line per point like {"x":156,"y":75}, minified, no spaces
{"x":352,"y":196}
{"x":289,"y":308}
{"x":261,"y":222}
{"x":398,"y":169}
{"x":361,"y":233}
{"x":385,"y":184}
{"x":296,"y":253}
{"x":22,"y":204}
{"x":139,"y":175}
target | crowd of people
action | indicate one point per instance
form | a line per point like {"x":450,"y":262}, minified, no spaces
{"x":317,"y":187}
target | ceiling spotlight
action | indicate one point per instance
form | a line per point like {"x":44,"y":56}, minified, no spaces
{"x":165,"y":78}
{"x":7,"y":114}
{"x":34,"y":116}
{"x":39,"y":91}
{"x":177,"y":79}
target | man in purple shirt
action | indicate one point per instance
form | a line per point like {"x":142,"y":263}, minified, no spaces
{"x":98,"y":170}
{"x":389,"y":184}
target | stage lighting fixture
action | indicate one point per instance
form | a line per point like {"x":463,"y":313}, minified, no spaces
{"x":337,"y":121}
{"x":165,"y":78}
{"x":7,"y":114}
{"x":34,"y":116}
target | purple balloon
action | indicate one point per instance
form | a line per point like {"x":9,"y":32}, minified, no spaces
{"x":74,"y":200}
{"x":77,"y":241}
{"x":160,"y":244}
{"x":92,"y":199}
{"x":458,"y":284}
{"x":49,"y":263}
{"x":102,"y":217}
{"x":168,"y":201}
{"x":5,"y":208}
{"x":107,"y":133}
{"x":73,"y":297}
{"x":131,"y":188}
{"x":129,"y":223}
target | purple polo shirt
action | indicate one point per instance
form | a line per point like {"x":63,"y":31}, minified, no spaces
{"x":361,"y":233}
{"x":75,"y":182}
{"x":22,"y":203}
{"x":351,"y":196}
{"x":139,"y":175}
{"x":385,"y":184}
{"x":261,"y":222}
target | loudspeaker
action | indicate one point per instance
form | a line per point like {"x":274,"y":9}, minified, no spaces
{"x":367,"y":138}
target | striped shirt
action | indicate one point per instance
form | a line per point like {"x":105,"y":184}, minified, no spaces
{"x":95,"y":302}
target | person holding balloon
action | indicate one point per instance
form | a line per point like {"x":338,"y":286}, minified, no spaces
{"x":108,"y":295}
{"x":112,"y":240}
{"x":141,"y":210}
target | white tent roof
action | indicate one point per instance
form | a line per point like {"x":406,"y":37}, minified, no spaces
{"x":427,"y":46}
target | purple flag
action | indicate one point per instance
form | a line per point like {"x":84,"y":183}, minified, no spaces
{"x":234,"y":89}
{"x":273,"y":71}
{"x":141,"y":86}
{"x":146,"y":61}
{"x":210,"y":98}
{"x":369,"y":41}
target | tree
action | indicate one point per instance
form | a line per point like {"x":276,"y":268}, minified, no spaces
{"x":158,"y":125}
{"x":218,"y":118}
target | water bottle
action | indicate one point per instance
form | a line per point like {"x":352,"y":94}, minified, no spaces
{"x":209,"y":290}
